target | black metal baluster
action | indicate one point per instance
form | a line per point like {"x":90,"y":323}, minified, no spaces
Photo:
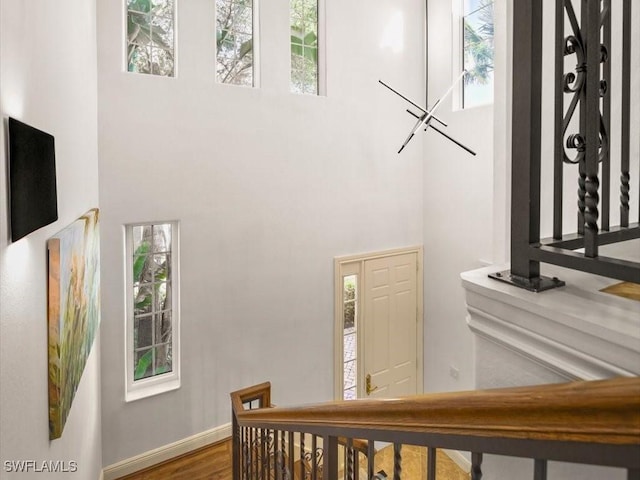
{"x":582,"y":193}
{"x":605,"y":127}
{"x":252,"y":447}
{"x":356,"y":462}
{"x":277,"y":459}
{"x":540,"y":469}
{"x":397,"y":461}
{"x":291,"y":456}
{"x":263,"y":454}
{"x":242,"y":453}
{"x":330,"y":458}
{"x":590,"y":19}
{"x":476,"y":466}
{"x":302,"y":452}
{"x":349,"y":459}
{"x":268,"y":459}
{"x":371,"y":454}
{"x":283,"y":449}
{"x":431,"y":463}
{"x":625,"y":114}
{"x":314,"y":463}
{"x":558,"y":153}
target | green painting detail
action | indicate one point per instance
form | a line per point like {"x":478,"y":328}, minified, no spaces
{"x":74,"y":311}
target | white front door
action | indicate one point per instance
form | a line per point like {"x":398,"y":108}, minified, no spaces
{"x":390,"y":321}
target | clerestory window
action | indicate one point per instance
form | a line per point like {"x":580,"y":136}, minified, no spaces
{"x":151,"y":37}
{"x":477,"y":52}
{"x":236,"y":42}
{"x":305,"y":47}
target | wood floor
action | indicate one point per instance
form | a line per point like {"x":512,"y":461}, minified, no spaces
{"x":208,"y":463}
{"x":214,"y":463}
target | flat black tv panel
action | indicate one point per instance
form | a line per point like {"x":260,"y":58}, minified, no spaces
{"x":32,"y":174}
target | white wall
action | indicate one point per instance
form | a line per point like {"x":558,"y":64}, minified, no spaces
{"x":49,"y":80}
{"x":269,"y":187}
{"x":458,"y":203}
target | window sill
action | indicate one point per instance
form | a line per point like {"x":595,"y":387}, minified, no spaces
{"x":152,"y":387}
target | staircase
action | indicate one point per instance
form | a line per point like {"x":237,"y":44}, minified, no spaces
{"x":593,"y":423}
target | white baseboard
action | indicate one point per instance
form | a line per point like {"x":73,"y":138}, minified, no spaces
{"x":459,"y":459}
{"x":167,"y":452}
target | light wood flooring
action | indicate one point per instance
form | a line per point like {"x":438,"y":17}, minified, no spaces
{"x":214,"y":463}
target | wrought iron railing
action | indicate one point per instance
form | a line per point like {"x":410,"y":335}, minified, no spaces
{"x":582,"y":136}
{"x":595,"y":423}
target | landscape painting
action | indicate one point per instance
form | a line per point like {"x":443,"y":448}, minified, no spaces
{"x":74,"y":311}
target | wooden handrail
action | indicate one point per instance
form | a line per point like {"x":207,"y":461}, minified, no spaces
{"x":597,"y":412}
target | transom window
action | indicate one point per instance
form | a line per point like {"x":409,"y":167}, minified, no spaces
{"x":151,"y":37}
{"x":304,"y":46}
{"x":152,"y":320}
{"x":478,"y":52}
{"x":235,"y":42}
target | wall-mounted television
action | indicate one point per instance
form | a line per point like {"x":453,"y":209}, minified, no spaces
{"x":32,"y":179}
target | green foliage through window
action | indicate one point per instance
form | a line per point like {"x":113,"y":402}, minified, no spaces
{"x":152,"y":300}
{"x":304,"y":46}
{"x":234,"y":42}
{"x":478,"y":50}
{"x":150,"y":37}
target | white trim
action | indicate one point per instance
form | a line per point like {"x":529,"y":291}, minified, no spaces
{"x":167,"y":452}
{"x":101,"y":477}
{"x":345,"y":265}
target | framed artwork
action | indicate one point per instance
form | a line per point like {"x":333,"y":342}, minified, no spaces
{"x":73,"y":311}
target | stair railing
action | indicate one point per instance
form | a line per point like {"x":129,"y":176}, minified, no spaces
{"x":593,"y":423}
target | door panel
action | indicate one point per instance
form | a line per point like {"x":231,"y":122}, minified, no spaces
{"x":390,"y":328}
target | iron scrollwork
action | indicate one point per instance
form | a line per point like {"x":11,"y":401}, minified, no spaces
{"x":574,"y":83}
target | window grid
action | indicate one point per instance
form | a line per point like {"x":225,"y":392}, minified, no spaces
{"x":304,"y":46}
{"x":350,"y":338}
{"x":151,"y":37}
{"x":235,"y":42}
{"x":152,"y":300}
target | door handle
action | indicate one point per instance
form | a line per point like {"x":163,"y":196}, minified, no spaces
{"x":368,"y":384}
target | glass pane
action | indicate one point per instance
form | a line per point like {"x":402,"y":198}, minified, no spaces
{"x":304,"y":46}
{"x":138,"y":59}
{"x":350,"y":346}
{"x":142,"y":267}
{"x":163,"y":327}
{"x":161,"y":238}
{"x":163,"y":359}
{"x":478,"y":52}
{"x":142,"y":299}
{"x":349,"y":287}
{"x":142,"y":328}
{"x":138,"y":5}
{"x":350,"y":374}
{"x":234,"y":42}
{"x":350,"y":394}
{"x":150,"y":37}
{"x":349,"y":315}
{"x":162,"y":7}
{"x":143,"y":364}
{"x":162,"y":300}
{"x":163,"y":33}
{"x":161,"y":268}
